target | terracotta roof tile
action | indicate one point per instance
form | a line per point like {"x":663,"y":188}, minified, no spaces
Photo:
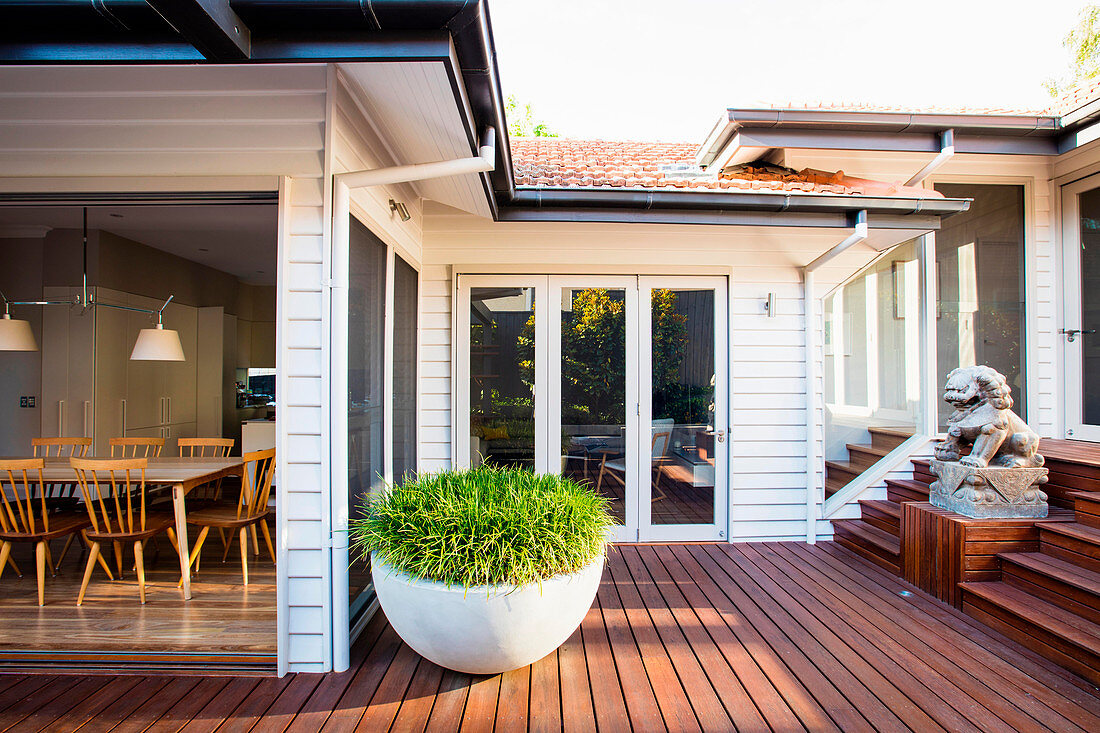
{"x":1083,"y":93}
{"x":562,"y":163}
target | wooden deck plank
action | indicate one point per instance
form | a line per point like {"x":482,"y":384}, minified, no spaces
{"x":668,"y":687}
{"x":700,"y":691}
{"x":933,"y":664}
{"x":777,"y":636}
{"x":709,"y":634}
{"x":891,"y":687}
{"x":1030,"y":692}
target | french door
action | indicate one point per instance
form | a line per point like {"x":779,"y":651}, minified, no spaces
{"x":618,"y":382}
{"x":1081,"y":320}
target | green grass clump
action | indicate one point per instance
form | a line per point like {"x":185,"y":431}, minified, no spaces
{"x":484,"y":526}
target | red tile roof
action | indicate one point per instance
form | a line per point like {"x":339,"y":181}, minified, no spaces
{"x":1083,"y":93}
{"x":561,"y":163}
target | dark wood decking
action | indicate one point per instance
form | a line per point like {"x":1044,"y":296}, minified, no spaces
{"x":690,"y":637}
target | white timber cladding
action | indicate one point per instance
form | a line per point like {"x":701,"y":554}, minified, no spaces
{"x":767,"y":370}
{"x":103,"y":129}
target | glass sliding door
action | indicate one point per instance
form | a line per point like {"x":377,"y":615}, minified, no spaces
{"x":980,"y":287}
{"x":684,"y":364}
{"x":1080,"y":332}
{"x":618,"y":382}
{"x":593,"y":348}
{"x":366,"y":370}
{"x":404,"y":369}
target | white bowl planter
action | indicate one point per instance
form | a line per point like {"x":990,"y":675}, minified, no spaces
{"x":485,"y":629}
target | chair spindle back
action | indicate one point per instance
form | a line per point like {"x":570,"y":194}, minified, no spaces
{"x":18,"y":480}
{"x":111,"y":488}
{"x":259,"y":471}
{"x":136,"y":447}
{"x":60,"y":447}
{"x":205,"y":447}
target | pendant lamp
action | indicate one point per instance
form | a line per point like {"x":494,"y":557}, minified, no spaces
{"x":16,"y":335}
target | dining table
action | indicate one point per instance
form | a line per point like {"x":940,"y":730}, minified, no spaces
{"x":182,"y":474}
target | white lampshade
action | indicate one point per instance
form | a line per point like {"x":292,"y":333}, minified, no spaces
{"x":16,"y":335}
{"x":157,"y":344}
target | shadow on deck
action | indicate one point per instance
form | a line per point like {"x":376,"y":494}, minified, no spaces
{"x":779,"y":636}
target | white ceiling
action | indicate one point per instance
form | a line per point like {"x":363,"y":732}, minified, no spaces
{"x":238,"y":239}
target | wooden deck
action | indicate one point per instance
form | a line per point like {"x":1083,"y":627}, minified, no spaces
{"x":684,"y":637}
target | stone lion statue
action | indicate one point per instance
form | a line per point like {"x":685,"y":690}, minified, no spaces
{"x":983,"y":430}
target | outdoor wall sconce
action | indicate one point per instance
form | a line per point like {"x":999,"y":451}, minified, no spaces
{"x":769,"y":305}
{"x":401,"y":209}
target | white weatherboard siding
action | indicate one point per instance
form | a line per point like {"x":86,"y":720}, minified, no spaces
{"x":768,"y":385}
{"x":69,"y":129}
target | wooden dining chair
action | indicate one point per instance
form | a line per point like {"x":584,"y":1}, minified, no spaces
{"x":114,"y":494}
{"x":250,"y":510}
{"x":25,"y":516}
{"x":136,"y":447}
{"x":205,"y":447}
{"x":60,"y":447}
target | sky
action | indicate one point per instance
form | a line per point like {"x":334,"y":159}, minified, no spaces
{"x":666,"y":70}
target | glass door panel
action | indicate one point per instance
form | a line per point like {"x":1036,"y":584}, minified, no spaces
{"x":1081,"y":320}
{"x":594,"y":368}
{"x":684,"y":398}
{"x":502,"y":376}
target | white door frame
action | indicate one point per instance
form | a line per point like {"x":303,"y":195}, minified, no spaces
{"x":638,"y":395}
{"x":1072,"y":310}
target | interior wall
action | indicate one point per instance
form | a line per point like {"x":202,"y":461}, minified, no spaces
{"x":21,"y":260}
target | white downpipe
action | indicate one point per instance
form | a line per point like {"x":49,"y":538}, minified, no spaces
{"x":859,"y":234}
{"x":947,"y":149}
{"x":338,"y":420}
{"x":483,"y":163}
{"x":810,"y":311}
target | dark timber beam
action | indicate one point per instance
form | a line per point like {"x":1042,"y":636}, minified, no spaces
{"x":210,"y":26}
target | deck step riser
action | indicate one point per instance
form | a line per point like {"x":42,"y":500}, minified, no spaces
{"x":856,"y":546}
{"x":1019,"y":629}
{"x":865,"y":456}
{"x":1088,"y":510}
{"x":1053,"y":590}
{"x":1083,"y":547}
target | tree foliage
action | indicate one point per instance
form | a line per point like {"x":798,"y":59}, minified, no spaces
{"x":522,"y":122}
{"x":1083,"y":44}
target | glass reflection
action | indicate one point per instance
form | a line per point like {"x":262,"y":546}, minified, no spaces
{"x":683,"y":439}
{"x":502,"y":377}
{"x":593,"y":391}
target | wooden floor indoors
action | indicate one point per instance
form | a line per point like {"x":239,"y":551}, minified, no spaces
{"x":682,"y":637}
{"x":225,"y":620}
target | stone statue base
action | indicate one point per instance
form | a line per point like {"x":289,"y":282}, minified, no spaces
{"x":989,"y":493}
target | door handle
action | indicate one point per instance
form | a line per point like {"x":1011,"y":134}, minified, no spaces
{"x":1071,"y":333}
{"x":61,"y":418}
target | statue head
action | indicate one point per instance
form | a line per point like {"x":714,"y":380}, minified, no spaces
{"x":969,"y":386}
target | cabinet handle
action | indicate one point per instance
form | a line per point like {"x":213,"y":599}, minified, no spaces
{"x":87,"y":405}
{"x":61,"y":418}
{"x":123,"y":417}
{"x":168,"y":401}
{"x":160,"y":416}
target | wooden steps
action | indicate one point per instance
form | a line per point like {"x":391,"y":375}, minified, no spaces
{"x":1049,"y":600}
{"x":862,"y":456}
{"x":865,"y":456}
{"x":886,"y":515}
{"x":902,"y":490}
{"x":1043,"y":627}
{"x":869,"y":542}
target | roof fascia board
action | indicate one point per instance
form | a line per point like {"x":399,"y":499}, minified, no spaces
{"x":1079,"y":137}
{"x":895,"y":121}
{"x":545,"y":198}
{"x":716,"y":217}
{"x":900,"y":142}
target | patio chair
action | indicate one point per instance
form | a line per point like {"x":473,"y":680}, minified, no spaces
{"x":662,"y":439}
{"x":25,"y":516}
{"x":114,"y":494}
{"x":249,"y":511}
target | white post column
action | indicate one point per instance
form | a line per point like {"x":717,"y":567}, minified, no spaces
{"x":929,"y":393}
{"x":810,"y":315}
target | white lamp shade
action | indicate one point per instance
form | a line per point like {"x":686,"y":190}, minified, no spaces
{"x":16,"y":335}
{"x":157,"y":344}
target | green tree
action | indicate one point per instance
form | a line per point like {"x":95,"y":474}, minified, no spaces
{"x":593,"y":354}
{"x":1083,"y":44}
{"x":521,"y":120}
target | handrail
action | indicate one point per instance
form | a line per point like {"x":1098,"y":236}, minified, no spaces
{"x":875,"y":474}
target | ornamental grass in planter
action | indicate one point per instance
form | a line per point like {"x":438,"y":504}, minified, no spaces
{"x":487,"y":569}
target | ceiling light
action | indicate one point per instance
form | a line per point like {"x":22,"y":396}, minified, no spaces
{"x":153,"y":344}
{"x":16,"y":335}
